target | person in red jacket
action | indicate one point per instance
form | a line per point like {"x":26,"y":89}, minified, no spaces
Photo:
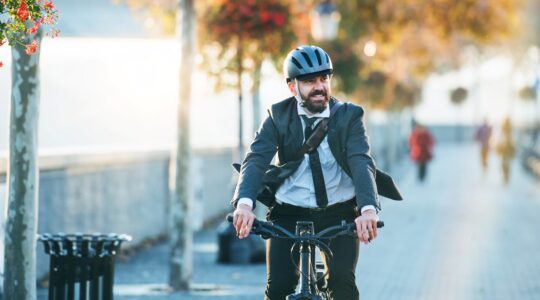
{"x":421,"y":144}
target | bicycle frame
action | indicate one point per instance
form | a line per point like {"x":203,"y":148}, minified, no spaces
{"x":307,"y":287}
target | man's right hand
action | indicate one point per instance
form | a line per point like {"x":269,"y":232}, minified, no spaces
{"x":243,"y":218}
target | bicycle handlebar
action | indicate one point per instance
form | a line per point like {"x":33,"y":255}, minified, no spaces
{"x":269,"y":229}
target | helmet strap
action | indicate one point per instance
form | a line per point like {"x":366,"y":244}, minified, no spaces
{"x":298,"y":97}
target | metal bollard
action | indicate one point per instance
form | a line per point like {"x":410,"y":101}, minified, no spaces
{"x":81,"y":265}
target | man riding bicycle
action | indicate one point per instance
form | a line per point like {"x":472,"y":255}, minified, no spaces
{"x":333,"y":182}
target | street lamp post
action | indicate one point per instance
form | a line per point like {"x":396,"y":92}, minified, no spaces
{"x":325,"y":21}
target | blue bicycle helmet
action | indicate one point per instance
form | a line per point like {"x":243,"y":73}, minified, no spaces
{"x":306,"y":61}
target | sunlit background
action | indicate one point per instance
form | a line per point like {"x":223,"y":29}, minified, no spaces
{"x":123,"y":82}
{"x":108,"y":122}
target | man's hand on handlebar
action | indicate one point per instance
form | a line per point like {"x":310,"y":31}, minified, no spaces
{"x":243,"y":220}
{"x":366,"y":226}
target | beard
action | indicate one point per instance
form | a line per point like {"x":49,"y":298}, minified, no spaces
{"x":312,"y":105}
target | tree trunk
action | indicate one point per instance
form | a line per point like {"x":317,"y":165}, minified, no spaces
{"x":389,"y":92}
{"x":22,"y":177}
{"x":239,"y":58}
{"x":180,"y":235}
{"x":256,"y":94}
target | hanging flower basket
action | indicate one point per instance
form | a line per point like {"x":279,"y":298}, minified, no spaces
{"x":250,"y":19}
{"x":20,"y":20}
{"x":458,"y":95}
{"x":235,"y":34}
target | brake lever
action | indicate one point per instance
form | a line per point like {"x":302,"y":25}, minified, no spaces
{"x":263,"y":232}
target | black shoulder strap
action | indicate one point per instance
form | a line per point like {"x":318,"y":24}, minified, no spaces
{"x":318,"y":134}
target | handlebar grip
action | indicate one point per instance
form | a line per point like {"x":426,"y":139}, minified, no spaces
{"x":380,"y":224}
{"x":230,"y":219}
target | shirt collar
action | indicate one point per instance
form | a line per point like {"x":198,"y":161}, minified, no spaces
{"x":324,"y":114}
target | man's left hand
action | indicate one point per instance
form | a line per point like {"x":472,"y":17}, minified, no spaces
{"x":366,"y":226}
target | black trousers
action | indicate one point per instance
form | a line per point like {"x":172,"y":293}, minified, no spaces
{"x":282,"y":276}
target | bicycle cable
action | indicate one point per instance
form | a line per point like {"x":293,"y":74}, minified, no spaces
{"x":316,"y":243}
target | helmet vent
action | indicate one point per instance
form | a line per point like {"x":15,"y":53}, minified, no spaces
{"x":318,"y":57}
{"x":296,"y":63}
{"x":327,"y":59}
{"x":308,"y":60}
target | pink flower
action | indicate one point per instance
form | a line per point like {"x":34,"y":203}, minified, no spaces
{"x":246,"y":11}
{"x":34,"y":28}
{"x":49,"y":19}
{"x":48,"y":5}
{"x":265,"y":16}
{"x":22,"y":12}
{"x":31,"y":48}
{"x":279,"y":19}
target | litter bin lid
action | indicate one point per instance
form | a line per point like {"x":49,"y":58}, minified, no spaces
{"x":82,"y":245}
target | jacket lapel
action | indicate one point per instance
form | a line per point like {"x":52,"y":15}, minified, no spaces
{"x":332,"y":132}
{"x":335,"y":141}
{"x":333,"y":138}
{"x":295,"y":136}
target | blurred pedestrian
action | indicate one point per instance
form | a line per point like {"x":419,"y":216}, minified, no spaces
{"x":483,"y":137}
{"x":506,"y":148}
{"x":421,"y":144}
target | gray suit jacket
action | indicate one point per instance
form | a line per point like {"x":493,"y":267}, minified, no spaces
{"x":282,"y":132}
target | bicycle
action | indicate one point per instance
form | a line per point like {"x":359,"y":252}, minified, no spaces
{"x":313,"y":284}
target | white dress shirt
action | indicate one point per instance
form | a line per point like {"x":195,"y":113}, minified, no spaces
{"x":298,"y":189}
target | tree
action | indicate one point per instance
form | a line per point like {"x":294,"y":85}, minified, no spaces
{"x":22,"y":30}
{"x":238,"y":35}
{"x":415,"y":38}
{"x":23,"y":178}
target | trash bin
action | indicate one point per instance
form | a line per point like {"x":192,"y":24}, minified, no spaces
{"x":81,"y":265}
{"x":233,"y":250}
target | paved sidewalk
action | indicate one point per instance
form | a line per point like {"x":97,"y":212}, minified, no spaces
{"x":460,"y":235}
{"x":149,"y":270}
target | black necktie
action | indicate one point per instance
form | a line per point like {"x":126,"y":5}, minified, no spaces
{"x":316,"y":168}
